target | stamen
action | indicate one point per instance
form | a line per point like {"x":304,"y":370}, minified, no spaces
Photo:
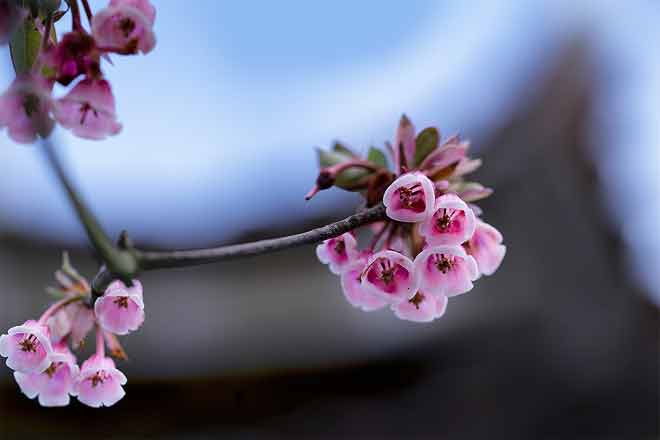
{"x":29,"y":344}
{"x":340,"y":247}
{"x":98,"y":378}
{"x":443,"y":264}
{"x":126,"y":26}
{"x":30,"y":104}
{"x":122,"y":302}
{"x":416,"y":300}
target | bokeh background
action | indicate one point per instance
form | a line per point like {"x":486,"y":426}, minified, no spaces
{"x":559,"y":98}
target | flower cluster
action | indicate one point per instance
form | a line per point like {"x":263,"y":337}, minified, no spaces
{"x":433,"y":244}
{"x":39,"y":351}
{"x":28,"y":108}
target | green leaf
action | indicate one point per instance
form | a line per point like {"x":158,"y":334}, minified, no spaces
{"x":377,"y":157}
{"x":24,"y":46}
{"x":340,"y":148}
{"x":427,"y":140}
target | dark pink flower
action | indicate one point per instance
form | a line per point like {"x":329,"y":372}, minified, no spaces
{"x":452,"y":222}
{"x":99,"y":382}
{"x":351,"y":284}
{"x":74,"y":55}
{"x":486,"y":247}
{"x":54,"y":385}
{"x":88,"y":110}
{"x":390,"y":275}
{"x":409,"y":198}
{"x":27,"y":347}
{"x":125,"y":27}
{"x":338,"y":252}
{"x":445,"y":270}
{"x":422,"y":307}
{"x":25,"y":107}
{"x":121,"y":309}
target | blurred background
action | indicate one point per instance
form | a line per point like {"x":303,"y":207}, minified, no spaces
{"x":559,"y":98}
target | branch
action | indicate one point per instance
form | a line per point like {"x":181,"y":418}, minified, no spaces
{"x":167,"y":259}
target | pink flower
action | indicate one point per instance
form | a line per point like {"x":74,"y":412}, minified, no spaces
{"x":121,"y":309}
{"x":99,"y":382}
{"x":25,"y":107}
{"x":452,"y":222}
{"x":75,"y":321}
{"x":409,"y":198}
{"x":54,"y":385}
{"x":125,"y":27}
{"x":486,"y":247}
{"x":445,"y":270}
{"x":143,"y":6}
{"x":74,"y":55}
{"x":351,"y":284}
{"x":390,"y":275}
{"x":89,"y":110}
{"x":338,"y":252}
{"x":27,"y":347}
{"x":404,"y":140}
{"x":422,"y":307}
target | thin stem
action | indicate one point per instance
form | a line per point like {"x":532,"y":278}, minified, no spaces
{"x":377,"y":236}
{"x":100,"y":342}
{"x":167,"y":259}
{"x":75,"y":15}
{"x":88,"y":11}
{"x":57,"y":306}
{"x":121,"y":262}
{"x":46,"y":36}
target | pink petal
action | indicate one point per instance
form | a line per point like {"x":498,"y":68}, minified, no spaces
{"x":354,"y":292}
{"x":486,"y":247}
{"x":421,"y":308}
{"x":390,"y":275}
{"x":452,"y":222}
{"x":410,"y":198}
{"x":445,"y":270}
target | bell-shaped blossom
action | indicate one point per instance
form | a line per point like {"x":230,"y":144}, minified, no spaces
{"x":452,"y":222}
{"x":54,"y":385}
{"x":486,"y":247}
{"x":121,"y":309}
{"x":354,"y":291}
{"x":75,"y":54}
{"x":144,"y":6}
{"x":410,"y":198}
{"x":27,"y":347}
{"x":25,"y":107}
{"x":125,"y":27}
{"x":89,"y":110}
{"x":404,"y":141}
{"x":423,"y":307}
{"x":390,"y":275}
{"x":445,"y":270}
{"x":338,"y":252}
{"x":99,"y":382}
{"x":74,"y":321}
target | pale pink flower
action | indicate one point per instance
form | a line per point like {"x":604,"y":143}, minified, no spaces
{"x":351,"y":284}
{"x":486,"y":247}
{"x":144,"y":6}
{"x":74,"y":321}
{"x":82,"y":324}
{"x":423,"y":307}
{"x":338,"y":252}
{"x":452,"y":222}
{"x":55,"y":384}
{"x":121,"y":309}
{"x":409,"y":198}
{"x":88,"y":110}
{"x":124,"y":27}
{"x":99,"y":382}
{"x":390,"y":275}
{"x":27,"y":347}
{"x":404,"y":140}
{"x":25,"y":107}
{"x":445,"y":270}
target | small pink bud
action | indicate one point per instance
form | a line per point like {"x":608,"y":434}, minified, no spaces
{"x":27,"y":347}
{"x":410,"y":198}
{"x":445,"y":270}
{"x":89,"y":110}
{"x":74,"y":55}
{"x":54,"y":385}
{"x":452,"y":222}
{"x":422,"y":307}
{"x":99,"y":382}
{"x":124,"y":27}
{"x":390,"y":275}
{"x":25,"y":107}
{"x":486,"y":247}
{"x":404,"y":141}
{"x":338,"y":252}
{"x":351,"y":284}
{"x":121,"y":309}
